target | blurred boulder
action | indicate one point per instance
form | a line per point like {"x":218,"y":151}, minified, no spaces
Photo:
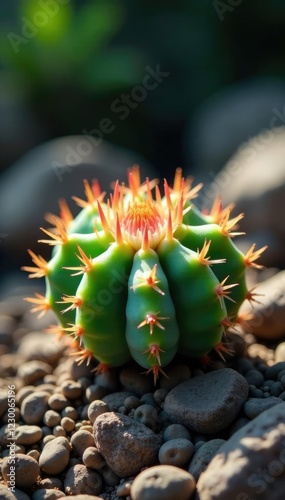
{"x":32,"y":186}
{"x":229,"y":117}
{"x":254,"y":180}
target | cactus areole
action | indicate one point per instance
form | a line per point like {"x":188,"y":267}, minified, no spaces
{"x":143,"y":274}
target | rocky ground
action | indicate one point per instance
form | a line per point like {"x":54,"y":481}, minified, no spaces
{"x":206,"y":432}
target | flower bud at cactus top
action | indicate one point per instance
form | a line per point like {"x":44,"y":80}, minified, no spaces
{"x":144,"y":274}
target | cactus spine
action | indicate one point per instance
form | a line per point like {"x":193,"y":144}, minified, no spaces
{"x":144,"y":275}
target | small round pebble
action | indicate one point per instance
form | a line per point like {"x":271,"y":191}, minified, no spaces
{"x":34,"y":407}
{"x":81,"y":480}
{"x":116,"y":399}
{"x":67,"y":424}
{"x":28,"y":434}
{"x":174,"y":431}
{"x":71,"y":389}
{"x":51,"y":418}
{"x":254,"y":406}
{"x":81,"y":440}
{"x":26,"y":470}
{"x":92,"y":458}
{"x":254,"y":377}
{"x":55,"y":455}
{"x":176,"y":452}
{"x":163,"y":482}
{"x":69,"y":412}
{"x":97,"y":407}
{"x":147,"y":415}
{"x":58,"y":401}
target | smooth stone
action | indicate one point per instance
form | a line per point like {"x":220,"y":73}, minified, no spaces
{"x":207,"y":403}
{"x":40,"y":346}
{"x":163,"y":482}
{"x":28,"y":434}
{"x":32,"y":371}
{"x":79,"y":479}
{"x":267,"y":316}
{"x":6,"y":494}
{"x":254,"y":406}
{"x":116,"y":399}
{"x":34,"y":407}
{"x":125,"y":444}
{"x":26,"y":470}
{"x":176,"y":452}
{"x":251,"y":463}
{"x":203,"y":456}
{"x":81,"y":440}
{"x":55,"y":455}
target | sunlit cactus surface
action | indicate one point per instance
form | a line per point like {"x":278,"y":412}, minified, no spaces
{"x":143,"y":274}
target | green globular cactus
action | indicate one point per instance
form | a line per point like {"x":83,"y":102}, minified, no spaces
{"x":144,"y":275}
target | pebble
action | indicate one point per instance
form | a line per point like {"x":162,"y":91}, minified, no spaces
{"x":32,"y":371}
{"x":92,"y":458}
{"x":67,"y":424}
{"x":147,"y":415}
{"x":272,"y":372}
{"x":81,"y":440}
{"x":96,"y":408}
{"x":81,"y":480}
{"x":40,"y":346}
{"x":126,"y":445}
{"x":26,"y":470}
{"x":28,"y":434}
{"x":116,"y":399}
{"x":176,"y":452}
{"x":254,"y":377}
{"x":47,"y":494}
{"x":203,"y":456}
{"x":71,"y":389}
{"x":51,"y":418}
{"x":34,"y":407}
{"x":251,"y":463}
{"x":163,"y":482}
{"x":58,"y":401}
{"x":6,"y":494}
{"x":207,"y":403}
{"x":55,"y":455}
{"x":174,"y":431}
{"x":254,"y":406}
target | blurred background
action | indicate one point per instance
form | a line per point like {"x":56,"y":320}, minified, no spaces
{"x":179,"y":83}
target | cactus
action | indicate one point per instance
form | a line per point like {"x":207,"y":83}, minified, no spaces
{"x":144,"y":275}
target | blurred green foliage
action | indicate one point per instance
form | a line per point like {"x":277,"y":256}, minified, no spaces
{"x":82,"y":55}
